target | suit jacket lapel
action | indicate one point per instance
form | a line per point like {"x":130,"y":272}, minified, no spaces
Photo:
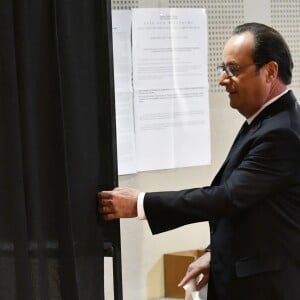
{"x":239,"y":137}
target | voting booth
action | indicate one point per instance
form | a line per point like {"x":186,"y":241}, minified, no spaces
{"x":58,"y":149}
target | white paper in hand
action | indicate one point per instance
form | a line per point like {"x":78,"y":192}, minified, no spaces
{"x":191,"y":289}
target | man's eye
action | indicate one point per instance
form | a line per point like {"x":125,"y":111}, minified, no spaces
{"x":232,"y":69}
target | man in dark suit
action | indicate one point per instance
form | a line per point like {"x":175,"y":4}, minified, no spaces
{"x":253,"y":203}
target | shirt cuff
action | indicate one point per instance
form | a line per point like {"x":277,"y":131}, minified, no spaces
{"x":140,"y":206}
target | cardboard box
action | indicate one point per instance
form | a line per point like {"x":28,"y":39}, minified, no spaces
{"x":175,"y":266}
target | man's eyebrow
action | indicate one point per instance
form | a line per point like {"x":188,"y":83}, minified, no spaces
{"x":230,"y":63}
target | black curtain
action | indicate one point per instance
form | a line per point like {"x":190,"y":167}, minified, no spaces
{"x":57,"y":137}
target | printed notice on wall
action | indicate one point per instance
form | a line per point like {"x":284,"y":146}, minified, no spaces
{"x":169,"y":48}
{"x":170,"y":88}
{"x":126,"y":150}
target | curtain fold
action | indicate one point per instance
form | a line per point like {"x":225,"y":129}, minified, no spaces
{"x":57,"y":138}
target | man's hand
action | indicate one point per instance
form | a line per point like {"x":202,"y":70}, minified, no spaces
{"x":199,"y":266}
{"x":118,"y":203}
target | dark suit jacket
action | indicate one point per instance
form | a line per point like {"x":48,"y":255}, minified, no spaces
{"x":253,"y":206}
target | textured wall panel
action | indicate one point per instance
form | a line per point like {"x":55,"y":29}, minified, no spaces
{"x":285,"y":17}
{"x":224,"y":15}
{"x":124,"y":4}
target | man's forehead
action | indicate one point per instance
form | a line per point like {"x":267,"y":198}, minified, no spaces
{"x":239,"y":47}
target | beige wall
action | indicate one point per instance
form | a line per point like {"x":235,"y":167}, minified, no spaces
{"x":142,"y":253}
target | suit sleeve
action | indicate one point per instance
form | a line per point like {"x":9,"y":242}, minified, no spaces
{"x":268,"y":166}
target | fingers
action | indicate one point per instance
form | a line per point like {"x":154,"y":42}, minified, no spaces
{"x":195,"y":269}
{"x":118,"y":203}
{"x":105,"y":201}
{"x":107,"y":212}
{"x":105,"y":195}
{"x":187,"y":277}
{"x":109,"y":194}
{"x":108,"y":204}
{"x":109,"y":217}
{"x":192,"y":272}
{"x":105,"y":205}
{"x":118,"y":189}
{"x":184,"y":281}
{"x":203,"y":281}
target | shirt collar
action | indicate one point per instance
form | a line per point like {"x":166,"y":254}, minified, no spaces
{"x":250,"y":120}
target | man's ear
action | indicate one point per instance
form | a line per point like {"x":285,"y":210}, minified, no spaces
{"x":272,"y":70}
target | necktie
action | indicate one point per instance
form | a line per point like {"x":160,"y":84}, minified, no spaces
{"x":244,"y":129}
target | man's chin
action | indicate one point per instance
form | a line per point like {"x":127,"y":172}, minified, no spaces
{"x":233,"y":104}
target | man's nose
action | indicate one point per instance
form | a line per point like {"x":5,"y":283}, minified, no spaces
{"x":224,"y":79}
